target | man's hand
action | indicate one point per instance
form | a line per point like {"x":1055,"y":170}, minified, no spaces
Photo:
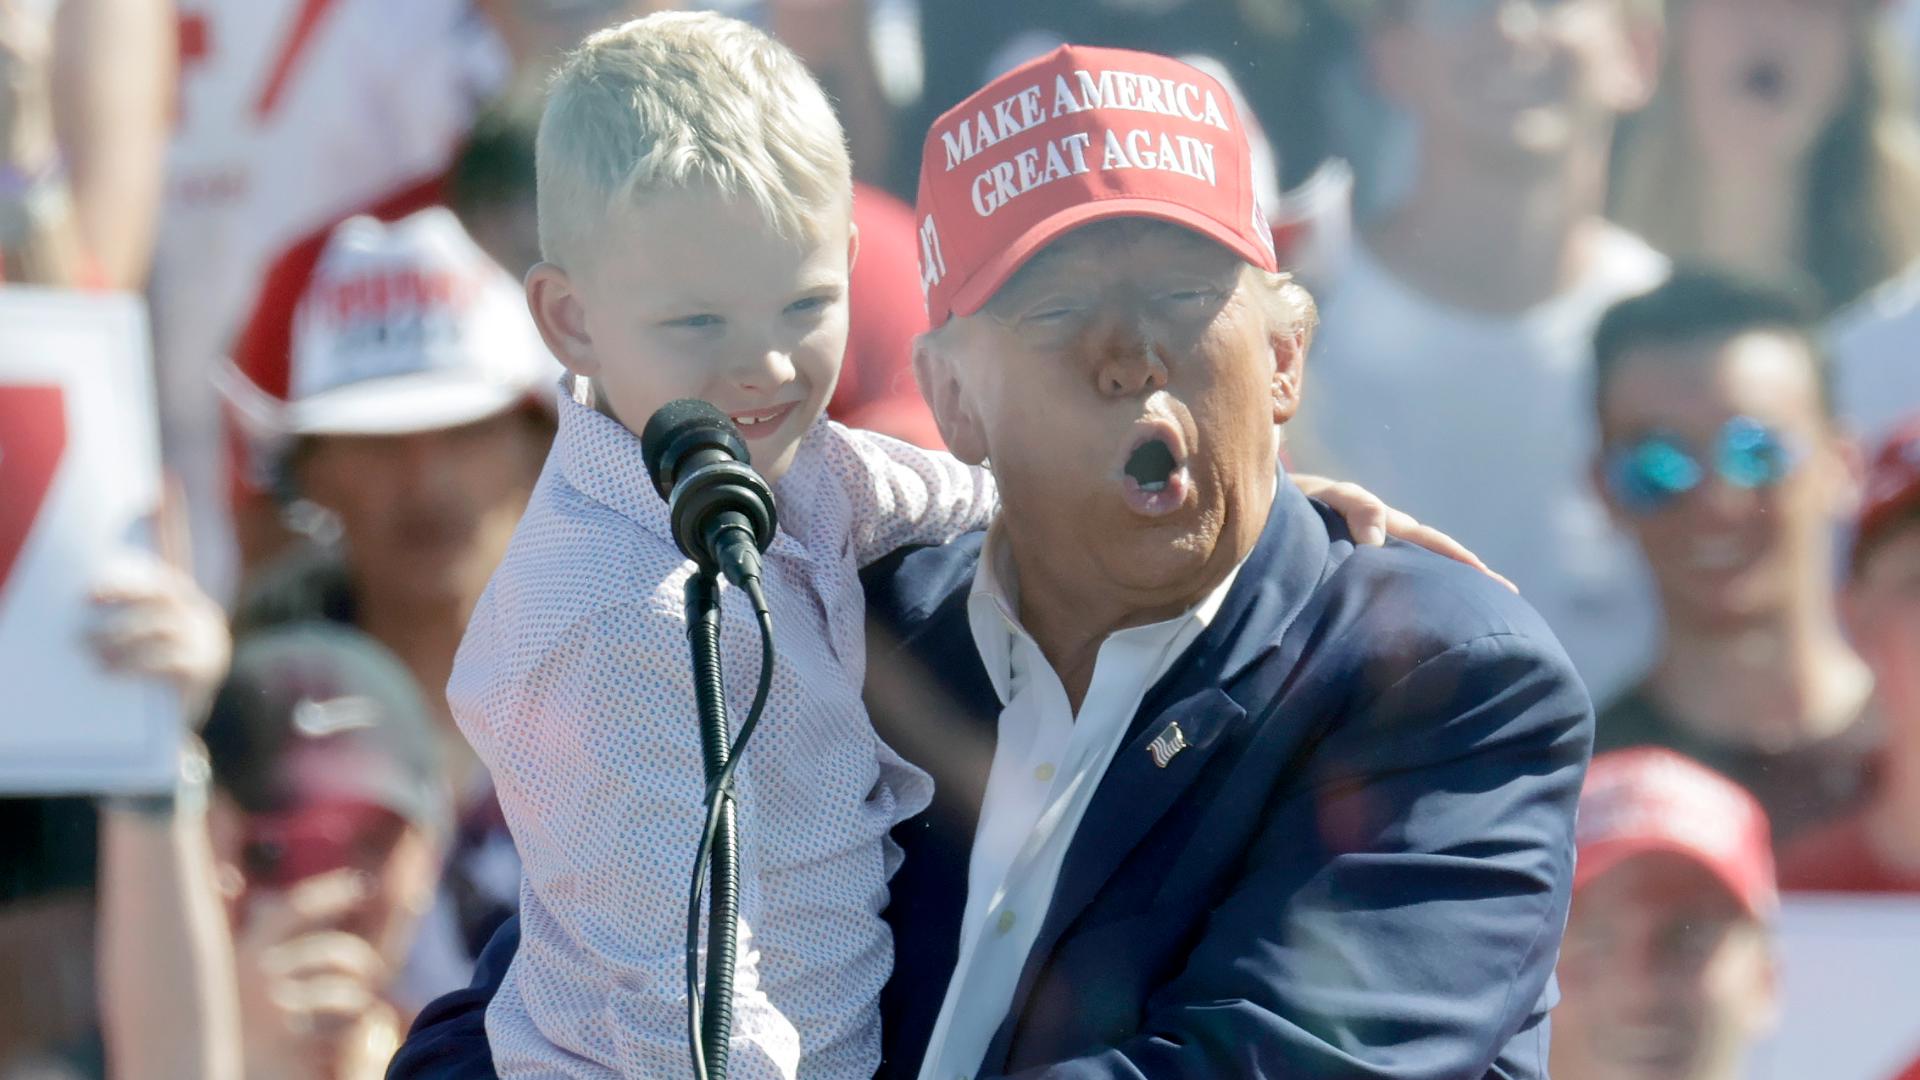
{"x":1371,"y":521}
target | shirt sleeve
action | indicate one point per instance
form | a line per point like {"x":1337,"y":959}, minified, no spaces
{"x":903,"y":495}
{"x":602,"y":789}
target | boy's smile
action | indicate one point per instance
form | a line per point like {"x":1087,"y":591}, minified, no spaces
{"x":694,"y":294}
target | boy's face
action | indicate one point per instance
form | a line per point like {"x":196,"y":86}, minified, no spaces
{"x":1722,"y":553}
{"x":693,"y":295}
{"x":1663,"y":976}
{"x":1500,"y":79}
{"x":1882,"y":605}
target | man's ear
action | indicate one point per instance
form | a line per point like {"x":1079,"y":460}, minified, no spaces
{"x":952,"y":414}
{"x":1289,"y":371}
{"x":562,"y":318}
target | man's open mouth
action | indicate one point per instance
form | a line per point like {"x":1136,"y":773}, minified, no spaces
{"x":1151,"y":465}
{"x":1153,"y":474}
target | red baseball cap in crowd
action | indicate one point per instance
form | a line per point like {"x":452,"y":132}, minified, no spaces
{"x":1077,"y":136}
{"x":405,"y":327}
{"x":1650,"y":799}
{"x":1893,"y":486}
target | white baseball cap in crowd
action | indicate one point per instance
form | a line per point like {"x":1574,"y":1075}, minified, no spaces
{"x":405,"y":327}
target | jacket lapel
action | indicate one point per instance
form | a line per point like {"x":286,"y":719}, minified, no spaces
{"x":1273,"y":587}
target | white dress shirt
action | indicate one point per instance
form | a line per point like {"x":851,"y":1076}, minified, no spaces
{"x":1046,"y":765}
{"x":573,"y":683}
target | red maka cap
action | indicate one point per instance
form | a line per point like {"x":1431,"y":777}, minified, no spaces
{"x":1077,"y":136}
{"x":1893,"y":484}
{"x":1649,"y":799}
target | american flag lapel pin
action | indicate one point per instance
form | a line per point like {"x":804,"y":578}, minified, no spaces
{"x":1169,"y":743}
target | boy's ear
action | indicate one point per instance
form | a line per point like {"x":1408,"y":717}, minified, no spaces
{"x":561,"y":318}
{"x":853,"y":246}
{"x":959,"y":427}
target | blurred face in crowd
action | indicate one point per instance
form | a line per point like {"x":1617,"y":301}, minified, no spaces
{"x":694,"y":295}
{"x":536,"y":32}
{"x":1502,"y":80}
{"x":1730,"y":550}
{"x":1663,"y":976}
{"x":1881,"y":605}
{"x":1760,"y":79}
{"x":427,"y":516}
{"x":1125,"y":385}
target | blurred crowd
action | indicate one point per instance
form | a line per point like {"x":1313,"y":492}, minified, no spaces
{"x":1623,"y":294}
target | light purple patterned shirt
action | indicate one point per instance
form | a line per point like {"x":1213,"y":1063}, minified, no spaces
{"x":573,"y":684}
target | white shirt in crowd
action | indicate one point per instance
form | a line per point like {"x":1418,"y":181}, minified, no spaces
{"x":1047,"y":763}
{"x":573,"y":685}
{"x":1483,"y":426}
{"x":1875,"y":345}
{"x":291,"y":115}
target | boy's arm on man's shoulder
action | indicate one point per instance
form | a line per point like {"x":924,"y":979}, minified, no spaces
{"x":1401,"y":910}
{"x":448,"y":1040}
{"x":903,"y":495}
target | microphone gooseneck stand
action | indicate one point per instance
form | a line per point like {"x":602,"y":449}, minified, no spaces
{"x":714,"y":1017}
{"x":710,"y":1014}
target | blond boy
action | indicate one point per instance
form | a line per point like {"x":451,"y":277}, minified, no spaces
{"x":694,"y":201}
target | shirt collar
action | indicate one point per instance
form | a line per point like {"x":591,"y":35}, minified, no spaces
{"x":993,"y":606}
{"x":601,"y":459}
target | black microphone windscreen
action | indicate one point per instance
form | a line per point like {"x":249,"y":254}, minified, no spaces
{"x":668,"y":430}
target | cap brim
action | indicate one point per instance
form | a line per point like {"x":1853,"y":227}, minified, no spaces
{"x":1596,"y":859}
{"x":404,"y":405}
{"x":971,"y":296}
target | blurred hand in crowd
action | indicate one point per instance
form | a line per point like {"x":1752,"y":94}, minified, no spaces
{"x":151,"y":619}
{"x":311,"y":990}
{"x":26,"y":85}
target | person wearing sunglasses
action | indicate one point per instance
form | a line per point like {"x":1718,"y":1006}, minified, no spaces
{"x":1721,"y":457}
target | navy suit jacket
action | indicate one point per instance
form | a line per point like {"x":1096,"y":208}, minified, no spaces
{"x":1359,"y":866}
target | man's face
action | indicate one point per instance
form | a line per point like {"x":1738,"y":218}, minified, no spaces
{"x":1514,"y":79}
{"x":693,"y":295}
{"x":1724,"y":554}
{"x":426,"y":517}
{"x":1663,"y":976}
{"x":1882,"y":605}
{"x":1125,"y":386}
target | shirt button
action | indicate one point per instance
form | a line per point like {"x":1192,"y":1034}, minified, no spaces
{"x":1043,"y":773}
{"x":1006,"y":921}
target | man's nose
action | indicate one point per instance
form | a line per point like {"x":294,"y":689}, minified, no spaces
{"x":1130,"y":364}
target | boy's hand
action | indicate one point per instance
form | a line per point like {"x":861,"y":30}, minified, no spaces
{"x":1371,"y":521}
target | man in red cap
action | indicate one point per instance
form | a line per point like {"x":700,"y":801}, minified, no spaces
{"x":1667,"y":971}
{"x":1877,"y":849}
{"x":1217,"y":791}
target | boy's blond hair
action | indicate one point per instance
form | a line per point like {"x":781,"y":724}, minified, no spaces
{"x":678,"y":101}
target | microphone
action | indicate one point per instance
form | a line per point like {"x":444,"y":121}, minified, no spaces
{"x":721,"y":510}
